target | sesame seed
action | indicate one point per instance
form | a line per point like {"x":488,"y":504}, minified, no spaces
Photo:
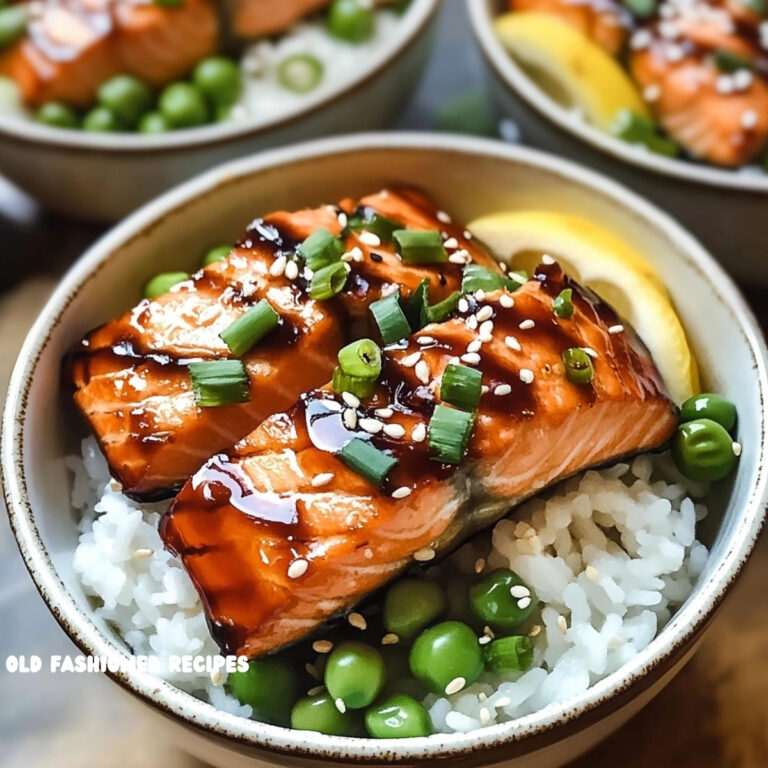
{"x":349,"y":417}
{"x":444,"y":217}
{"x":342,"y":219}
{"x":424,"y":555}
{"x":591,"y":573}
{"x":291,"y":270}
{"x":401,"y":492}
{"x":479,"y":565}
{"x":502,"y":701}
{"x":485,"y":716}
{"x":736,"y":449}
{"x":357,"y":620}
{"x":356,"y":254}
{"x":451,"y":242}
{"x":480,"y":294}
{"x":591,"y":352}
{"x":322,"y":646}
{"x":456,"y":685}
{"x":370,"y":238}
{"x":502,"y":389}
{"x":419,"y":433}
{"x":217,"y":676}
{"x":749,"y":119}
{"x":351,"y":400}
{"x":332,"y":405}
{"x":489,"y":632}
{"x":394,"y":430}
{"x":368,"y":553}
{"x":278,"y":266}
{"x":422,"y":371}
{"x":390,"y":639}
{"x":641,"y":39}
{"x":410,"y":360}
{"x":458,"y":257}
{"x":520,"y":590}
{"x":424,"y":340}
{"x":547,"y":260}
{"x":534,"y":630}
{"x":562,"y":624}
{"x":513,"y":343}
{"x":651,"y":93}
{"x":297,"y":568}
{"x":616,"y":328}
{"x":486,"y":330}
{"x":316,"y":690}
{"x":471,"y":323}
{"x":384,"y":413}
{"x":484,"y":640}
{"x":142,"y":553}
{"x":340,"y":705}
{"x":471,"y":357}
{"x":463,"y":305}
{"x":526,"y":375}
{"x":526,"y":325}
{"x":308,"y":273}
{"x":506,"y":301}
{"x":372,"y":426}
{"x":322,"y":479}
{"x":475,"y":346}
{"x":484,"y":313}
{"x":453,"y":360}
{"x":484,"y":389}
{"x":523,"y":603}
{"x":467,"y":234}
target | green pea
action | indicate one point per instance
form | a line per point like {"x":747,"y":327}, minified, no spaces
{"x":218,"y":78}
{"x":269,"y":686}
{"x":398,"y":717}
{"x":355,"y":673}
{"x":102,"y":120}
{"x":58,"y":115}
{"x":127,"y":97}
{"x":509,"y":654}
{"x":502,"y":599}
{"x":412,"y":604}
{"x":708,"y":405}
{"x":703,"y":450}
{"x":447,"y":657}
{"x":13,"y":24}
{"x":163,"y":283}
{"x":183,"y":105}
{"x":319,"y":713}
{"x":153,"y":122}
{"x":219,"y":253}
{"x":351,"y":20}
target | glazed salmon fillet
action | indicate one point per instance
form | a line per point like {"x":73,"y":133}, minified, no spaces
{"x":130,"y":375}
{"x":279,"y":535}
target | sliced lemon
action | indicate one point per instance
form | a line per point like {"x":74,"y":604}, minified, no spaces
{"x":619,"y":275}
{"x":571,"y":68}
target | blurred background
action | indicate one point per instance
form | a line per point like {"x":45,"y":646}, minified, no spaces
{"x":714,"y":715}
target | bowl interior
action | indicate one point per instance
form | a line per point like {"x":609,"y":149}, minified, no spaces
{"x":483,"y":13}
{"x":467,"y":178}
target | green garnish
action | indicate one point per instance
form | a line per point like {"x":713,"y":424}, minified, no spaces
{"x":509,"y":654}
{"x":448,"y":433}
{"x":219,"y":253}
{"x":328,"y":281}
{"x":355,"y":385}
{"x":300,"y":73}
{"x":635,"y":129}
{"x":392,"y":322}
{"x":249,"y":329}
{"x":379,"y":225}
{"x":416,"y":306}
{"x":163,"y":283}
{"x":321,"y":249}
{"x":361,"y":359}
{"x":13,"y":24}
{"x":578,"y":366}
{"x":420,"y":246}
{"x":729,"y":62}
{"x":478,"y":278}
{"x":563,"y":304}
{"x":760,"y":7}
{"x":643,"y":9}
{"x":461,"y":386}
{"x":367,"y":460}
{"x":219,"y":382}
{"x":515,"y":280}
{"x":437,"y":313}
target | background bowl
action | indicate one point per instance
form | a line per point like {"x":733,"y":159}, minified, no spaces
{"x":103,"y":176}
{"x":725,"y":209}
{"x":467,"y":177}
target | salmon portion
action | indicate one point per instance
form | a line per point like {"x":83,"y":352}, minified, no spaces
{"x":721,"y":117}
{"x":279,"y":535}
{"x":603,"y":21}
{"x":73,"y":46}
{"x":130,"y":375}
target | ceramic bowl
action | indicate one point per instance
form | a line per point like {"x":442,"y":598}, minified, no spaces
{"x":467,"y":177}
{"x":103,"y":177}
{"x":725,"y":209}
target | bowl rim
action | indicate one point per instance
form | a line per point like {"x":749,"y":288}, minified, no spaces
{"x":611,"y":693}
{"x":413,"y":24}
{"x":515,"y":78}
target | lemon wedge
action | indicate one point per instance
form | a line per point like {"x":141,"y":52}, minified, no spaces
{"x":566,"y":64}
{"x":601,"y":261}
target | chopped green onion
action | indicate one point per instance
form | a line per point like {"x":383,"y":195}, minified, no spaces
{"x":321,"y":249}
{"x":578,"y":366}
{"x":416,"y":306}
{"x":728,"y":61}
{"x":461,"y":386}
{"x":563,"y":304}
{"x":328,"y":281}
{"x":643,"y":9}
{"x":163,"y":283}
{"x":636,"y":129}
{"x":219,"y":382}
{"x":478,"y":278}
{"x":437,"y":313}
{"x":509,"y":654}
{"x":356,"y":385}
{"x":515,"y":280}
{"x":249,"y":329}
{"x":300,"y":73}
{"x":367,"y":460}
{"x":361,"y":358}
{"x":393,"y":324}
{"x":448,"y":433}
{"x":376,"y":223}
{"x":420,"y":246}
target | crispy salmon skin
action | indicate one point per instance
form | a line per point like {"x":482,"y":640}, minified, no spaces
{"x":279,"y":534}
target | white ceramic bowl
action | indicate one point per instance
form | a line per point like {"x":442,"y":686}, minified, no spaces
{"x":725,"y":209}
{"x":105,"y":176}
{"x":467,"y":177}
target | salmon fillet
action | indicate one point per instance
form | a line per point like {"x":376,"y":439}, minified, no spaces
{"x":279,"y":535}
{"x":130,"y":375}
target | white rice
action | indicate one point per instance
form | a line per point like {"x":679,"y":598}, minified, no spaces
{"x":610,"y":554}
